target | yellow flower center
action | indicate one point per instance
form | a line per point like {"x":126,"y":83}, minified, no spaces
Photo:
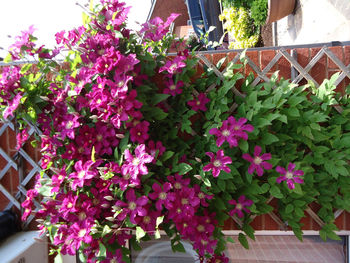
{"x":289,"y":175}
{"x":132,"y":205}
{"x":257,"y":160}
{"x":162,"y":196}
{"x":226,"y":133}
{"x":239,"y":206}
{"x":217,"y":163}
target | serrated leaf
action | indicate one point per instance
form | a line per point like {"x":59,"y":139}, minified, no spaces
{"x":183,"y":168}
{"x":243,"y":240}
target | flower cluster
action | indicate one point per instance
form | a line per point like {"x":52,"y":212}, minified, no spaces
{"x":133,"y":142}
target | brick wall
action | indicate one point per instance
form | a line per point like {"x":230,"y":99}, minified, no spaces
{"x":164,"y":8}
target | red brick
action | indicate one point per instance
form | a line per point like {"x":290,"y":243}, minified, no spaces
{"x":340,"y":221}
{"x":258,"y":223}
{"x":3,"y":201}
{"x":303,"y":56}
{"x":164,"y":8}
{"x":217,"y":57}
{"x":266,"y":56}
{"x":271,"y":224}
{"x":347,"y":55}
{"x":338,"y":51}
{"x":347,"y":220}
{"x":284,"y":68}
{"x":319,"y":70}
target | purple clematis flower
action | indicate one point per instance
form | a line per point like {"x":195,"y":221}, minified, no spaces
{"x":290,"y":176}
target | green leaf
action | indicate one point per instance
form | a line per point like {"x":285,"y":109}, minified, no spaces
{"x":243,"y":240}
{"x":276,"y":192}
{"x":230,"y":239}
{"x":269,"y":138}
{"x":183,"y":168}
{"x":140,"y":233}
{"x":243,"y":145}
{"x":262,"y":122}
{"x":249,"y":231}
{"x":178,"y":247}
{"x":289,"y":209}
{"x":297,"y":189}
{"x":293,"y":112}
{"x":167,"y":155}
{"x":93,"y":154}
{"x":264,"y":188}
{"x":124,"y":142}
{"x":158,"y":98}
{"x":159,"y":221}
{"x":157,"y":114}
{"x":102,"y":252}
{"x":58,"y":258}
{"x":222,"y":185}
{"x":116,"y":154}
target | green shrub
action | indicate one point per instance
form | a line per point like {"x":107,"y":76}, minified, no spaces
{"x":259,"y":12}
{"x":240,"y":26}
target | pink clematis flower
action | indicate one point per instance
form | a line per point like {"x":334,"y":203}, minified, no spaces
{"x":217,"y":163}
{"x":21,"y":137}
{"x":156,"y":28}
{"x":82,"y":174}
{"x":12,"y":106}
{"x":290,"y":176}
{"x":231,"y":131}
{"x":240,"y":206}
{"x":172,"y":88}
{"x":134,"y":206}
{"x":174,"y":66}
{"x":135,"y":165}
{"x":258,"y":163}
{"x":199,"y":103}
{"x":162,"y":195}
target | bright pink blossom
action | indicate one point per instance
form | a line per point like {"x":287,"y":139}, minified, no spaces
{"x":163,"y":195}
{"x":83,"y":173}
{"x":290,"y":175}
{"x":174,"y":66}
{"x":156,"y":28}
{"x":135,"y":165}
{"x":258,"y":163}
{"x":13,"y":104}
{"x":172,"y":88}
{"x":240,"y":205}
{"x":22,"y":137}
{"x":134,"y":206}
{"x":231,"y":131}
{"x":217,"y":163}
{"x":199,"y":103}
